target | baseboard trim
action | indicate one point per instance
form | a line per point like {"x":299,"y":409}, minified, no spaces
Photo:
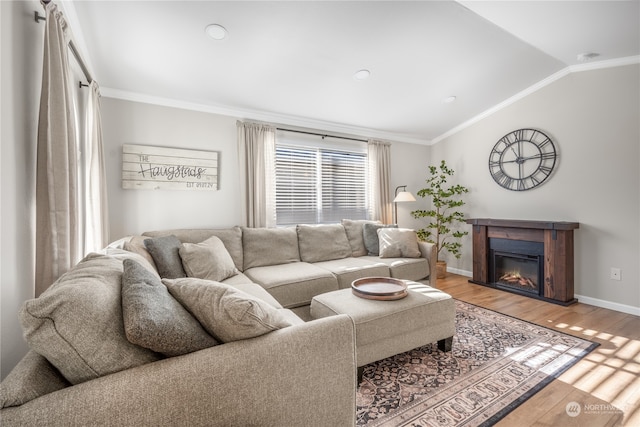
{"x":628,"y":309}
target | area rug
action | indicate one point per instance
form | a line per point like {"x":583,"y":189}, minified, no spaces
{"x":497,"y":362}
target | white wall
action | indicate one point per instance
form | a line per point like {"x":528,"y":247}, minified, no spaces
{"x":134,"y":211}
{"x":20,"y":78}
{"x":594,"y":119}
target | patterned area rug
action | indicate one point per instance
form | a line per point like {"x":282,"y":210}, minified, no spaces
{"x":497,"y":362}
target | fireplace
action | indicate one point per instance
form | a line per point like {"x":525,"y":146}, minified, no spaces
{"x":517,"y":265}
{"x":531,"y":258}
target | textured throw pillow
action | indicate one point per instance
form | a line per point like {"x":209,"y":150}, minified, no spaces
{"x":32,"y":377}
{"x":165,"y":252}
{"x":322,"y":242}
{"x":225,"y":312}
{"x":355,"y":235}
{"x":136,"y":244}
{"x":77,"y":323}
{"x":370,"y":235}
{"x":398,"y":243}
{"x":269,"y":246}
{"x":154,"y":319}
{"x":207,"y":260}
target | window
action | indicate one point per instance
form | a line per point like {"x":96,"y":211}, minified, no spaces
{"x":319,"y":184}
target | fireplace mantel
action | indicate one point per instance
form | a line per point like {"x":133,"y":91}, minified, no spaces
{"x":557,"y":237}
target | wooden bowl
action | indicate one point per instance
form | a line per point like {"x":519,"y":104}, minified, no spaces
{"x":379,"y":288}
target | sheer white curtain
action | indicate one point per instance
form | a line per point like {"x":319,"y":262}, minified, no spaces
{"x":379,"y":158}
{"x":96,"y":214}
{"x":71,"y":193}
{"x":256,"y":156}
{"x":57,"y":235}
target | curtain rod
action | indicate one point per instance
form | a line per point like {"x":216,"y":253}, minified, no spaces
{"x":73,"y":49}
{"x":323,"y":135}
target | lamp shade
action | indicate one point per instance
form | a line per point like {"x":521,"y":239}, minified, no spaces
{"x":404,"y":196}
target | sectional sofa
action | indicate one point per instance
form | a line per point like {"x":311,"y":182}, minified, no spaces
{"x":90,"y":363}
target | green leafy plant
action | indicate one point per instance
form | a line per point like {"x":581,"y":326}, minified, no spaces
{"x":443,"y":215}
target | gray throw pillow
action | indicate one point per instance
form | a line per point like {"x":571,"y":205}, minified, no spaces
{"x":227,"y":313}
{"x":154,"y":319}
{"x":165,"y":252}
{"x":370,"y":233}
{"x":207,"y":260}
{"x":398,"y":243}
{"x":353,"y":227}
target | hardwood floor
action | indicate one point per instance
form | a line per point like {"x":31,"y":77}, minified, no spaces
{"x":605,"y":384}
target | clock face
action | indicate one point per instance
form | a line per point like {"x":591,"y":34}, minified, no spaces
{"x":522,"y":159}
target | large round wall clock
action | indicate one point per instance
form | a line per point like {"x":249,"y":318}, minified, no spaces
{"x":522,"y":159}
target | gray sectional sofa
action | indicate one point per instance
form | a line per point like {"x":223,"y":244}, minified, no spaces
{"x":84,"y":369}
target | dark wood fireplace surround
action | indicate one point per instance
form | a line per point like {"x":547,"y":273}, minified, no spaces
{"x":557,"y":238}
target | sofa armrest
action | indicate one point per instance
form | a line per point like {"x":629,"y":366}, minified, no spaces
{"x":428,"y":251}
{"x":300,"y":375}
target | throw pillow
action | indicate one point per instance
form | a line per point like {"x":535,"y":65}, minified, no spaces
{"x":323,"y":242}
{"x":154,"y":319}
{"x":370,"y":235}
{"x":225,"y":312}
{"x":207,"y":260}
{"x":398,"y":243}
{"x":32,"y":377}
{"x":165,"y":252}
{"x":136,"y":244}
{"x":355,"y":235}
{"x":77,"y":323}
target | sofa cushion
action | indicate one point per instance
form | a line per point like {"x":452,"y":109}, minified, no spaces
{"x":355,"y":234}
{"x":269,"y":246}
{"x":165,"y":252}
{"x":77,"y":323}
{"x":405,"y":268}
{"x":31,"y":378}
{"x":349,"y":269}
{"x":207,"y":260}
{"x":398,"y":243}
{"x":231,"y":237}
{"x":257,"y":291}
{"x":293,"y":284}
{"x":227,"y":313}
{"x":154,"y":319}
{"x":322,"y":242}
{"x":370,"y":235}
{"x":239,"y":278}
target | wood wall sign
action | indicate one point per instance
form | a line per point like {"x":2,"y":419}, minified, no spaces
{"x":162,"y":168}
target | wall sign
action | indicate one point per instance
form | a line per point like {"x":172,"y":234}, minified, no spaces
{"x":162,"y":168}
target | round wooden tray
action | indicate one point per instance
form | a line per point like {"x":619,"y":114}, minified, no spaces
{"x":379,"y":288}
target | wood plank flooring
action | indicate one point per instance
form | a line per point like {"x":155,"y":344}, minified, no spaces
{"x":605,"y":384}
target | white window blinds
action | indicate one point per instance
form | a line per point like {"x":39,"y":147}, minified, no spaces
{"x":321,"y":184}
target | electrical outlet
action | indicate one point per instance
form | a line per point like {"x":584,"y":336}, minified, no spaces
{"x":616,"y":274}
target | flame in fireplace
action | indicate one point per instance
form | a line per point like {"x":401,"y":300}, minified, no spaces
{"x":515,"y":278}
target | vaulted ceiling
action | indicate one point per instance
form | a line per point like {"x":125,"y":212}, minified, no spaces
{"x":293,"y":62}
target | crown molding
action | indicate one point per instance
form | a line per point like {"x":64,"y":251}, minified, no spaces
{"x":262,"y":116}
{"x":618,"y":62}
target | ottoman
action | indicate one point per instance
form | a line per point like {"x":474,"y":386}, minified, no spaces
{"x":386,"y":328}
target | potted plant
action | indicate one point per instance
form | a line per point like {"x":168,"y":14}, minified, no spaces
{"x":443,"y":214}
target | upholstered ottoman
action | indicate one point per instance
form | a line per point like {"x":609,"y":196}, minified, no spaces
{"x":386,"y":328}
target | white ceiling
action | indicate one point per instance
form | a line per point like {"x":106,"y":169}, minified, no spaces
{"x":292,"y":62}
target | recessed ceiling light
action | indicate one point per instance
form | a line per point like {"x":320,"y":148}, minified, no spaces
{"x":362,"y":74}
{"x":587,"y":56}
{"x":216,"y":32}
{"x":449,"y":99}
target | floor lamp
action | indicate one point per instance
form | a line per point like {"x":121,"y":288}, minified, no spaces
{"x":402,"y":196}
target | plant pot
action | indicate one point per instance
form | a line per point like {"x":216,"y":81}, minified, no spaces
{"x":441,"y":269}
